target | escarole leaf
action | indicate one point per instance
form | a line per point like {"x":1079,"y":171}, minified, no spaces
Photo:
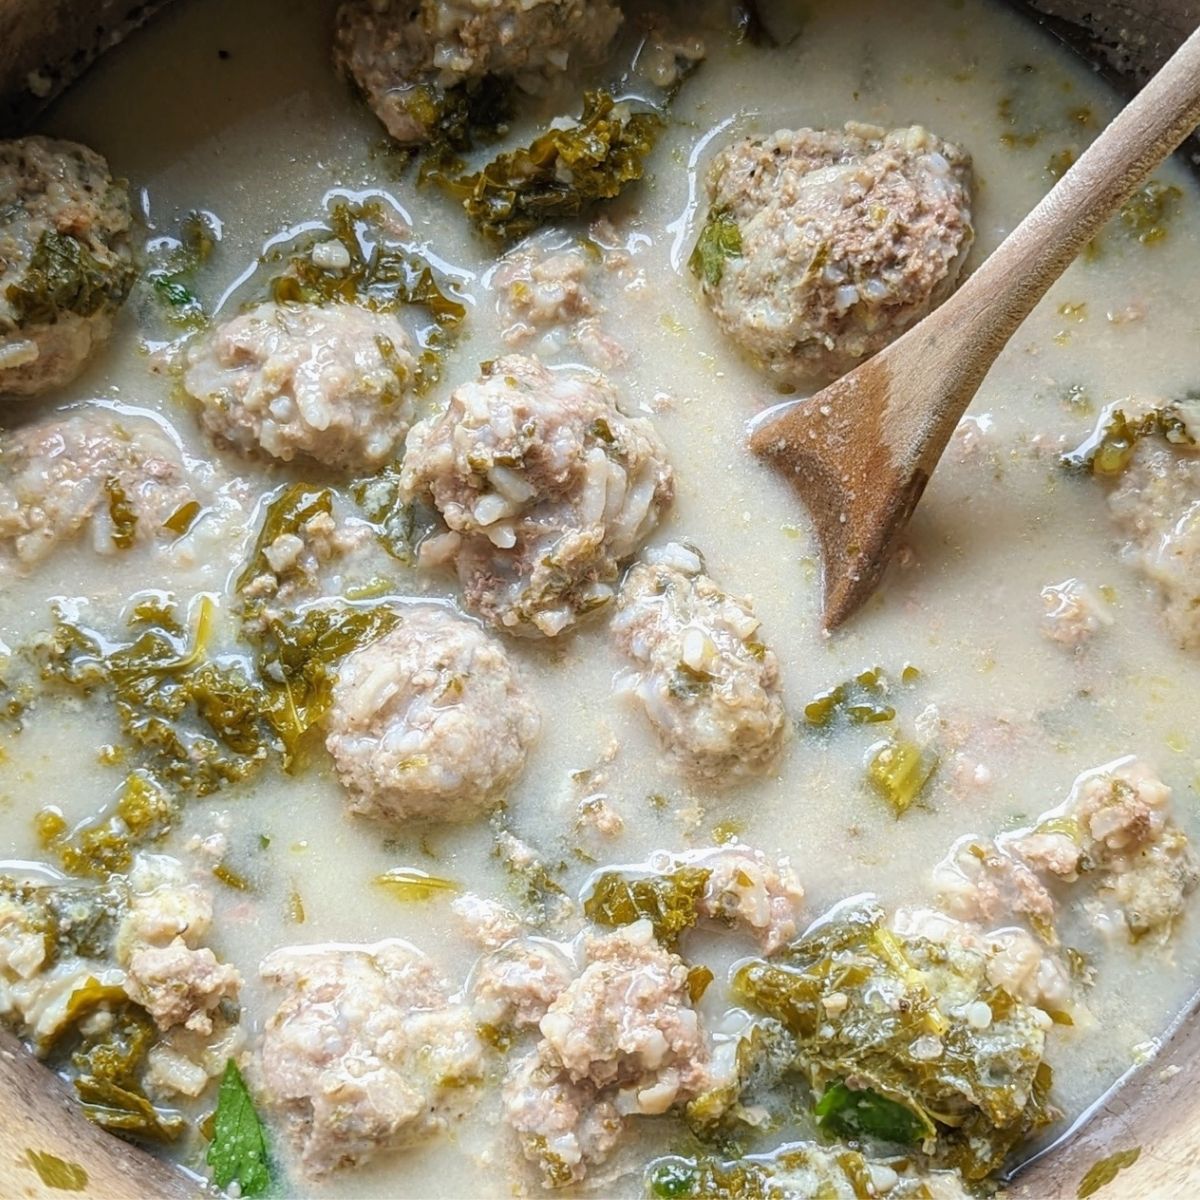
{"x":561,"y":173}
{"x":670,"y":902}
{"x":850,"y":1113}
{"x":720,"y":239}
{"x":238,"y":1151}
{"x":64,"y":276}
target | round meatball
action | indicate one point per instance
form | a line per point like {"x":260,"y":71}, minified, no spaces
{"x":823,"y":246}
{"x":329,"y":383}
{"x":701,"y":673}
{"x":546,"y":488}
{"x":66,"y":264}
{"x":120,"y":477}
{"x":405,"y":57}
{"x":366,"y":1052}
{"x":430,"y":721}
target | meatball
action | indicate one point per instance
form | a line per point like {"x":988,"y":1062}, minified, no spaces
{"x":405,"y":57}
{"x":745,"y":888}
{"x":366,"y":1052}
{"x":824,"y":246}
{"x":701,"y":673}
{"x":120,"y":477}
{"x":430,"y":721}
{"x":1157,"y":506}
{"x":66,"y":264}
{"x":979,"y":881}
{"x":545,"y":486}
{"x":515,"y":984}
{"x":329,"y":383}
{"x":178,"y":985}
{"x":622,"y":1038}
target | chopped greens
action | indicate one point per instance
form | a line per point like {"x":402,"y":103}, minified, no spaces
{"x":393,"y":519}
{"x":73,"y":920}
{"x":238,"y":1150}
{"x":287,"y":513}
{"x":860,"y":1112}
{"x":561,"y":173}
{"x":670,"y":902}
{"x":65,"y":277}
{"x":411,"y":885}
{"x":1109,"y":450}
{"x":888,"y":1010}
{"x":859,"y":701}
{"x":1102,"y":1173}
{"x":720,"y":239}
{"x":1145,"y":214}
{"x":196,"y":720}
{"x":174,"y":261}
{"x":899,"y":770}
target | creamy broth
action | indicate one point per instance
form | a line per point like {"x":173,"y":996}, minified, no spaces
{"x":231,"y":106}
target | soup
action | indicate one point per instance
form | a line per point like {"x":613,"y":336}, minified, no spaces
{"x":507,"y":832}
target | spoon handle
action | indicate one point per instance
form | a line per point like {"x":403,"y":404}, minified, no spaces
{"x":1004,"y":290}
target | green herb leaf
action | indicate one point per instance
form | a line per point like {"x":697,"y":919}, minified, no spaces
{"x":64,"y":276}
{"x":1106,"y":1170}
{"x":851,"y":1113}
{"x":669,"y":902}
{"x":238,"y":1152}
{"x":720,"y":239}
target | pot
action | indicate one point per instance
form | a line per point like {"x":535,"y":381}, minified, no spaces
{"x":44,"y":46}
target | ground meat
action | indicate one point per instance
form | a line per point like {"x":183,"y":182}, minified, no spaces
{"x":514,"y":986}
{"x":180,"y":986}
{"x":701,"y":671}
{"x":621,"y":1039}
{"x":546,"y":488}
{"x":1074,"y":614}
{"x":980,"y":881}
{"x":746,"y":888}
{"x":546,"y":296}
{"x":404,"y":56}
{"x":119,"y":477}
{"x":844,"y":239}
{"x":163,"y":906}
{"x":1117,"y":822}
{"x":66,"y":264}
{"x":430,"y":721}
{"x":365,"y":1052}
{"x":565,"y":1127}
{"x":627,"y":1021}
{"x":1156,"y":505}
{"x":330,"y":383}
{"x":488,"y":923}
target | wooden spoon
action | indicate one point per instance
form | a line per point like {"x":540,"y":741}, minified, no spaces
{"x":861,"y":451}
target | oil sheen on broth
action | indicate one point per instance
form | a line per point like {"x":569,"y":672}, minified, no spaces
{"x":234,"y":109}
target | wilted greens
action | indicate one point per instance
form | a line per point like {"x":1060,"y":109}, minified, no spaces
{"x":1109,"y":450}
{"x":859,"y":701}
{"x":670,"y":902}
{"x":860,"y":1112}
{"x":173,"y":265}
{"x":720,"y":239}
{"x":561,"y":173}
{"x":1145,"y":214}
{"x":64,"y":276}
{"x":887,"y":1010}
{"x":898,"y":770}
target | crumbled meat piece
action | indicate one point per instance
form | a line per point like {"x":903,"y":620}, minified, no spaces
{"x":1156,"y":504}
{"x":545,"y":487}
{"x":365,"y":1052}
{"x":708,"y":684}
{"x":980,"y":881}
{"x":406,"y":56}
{"x":330,"y":383}
{"x":1074,"y":614}
{"x":66,"y":264}
{"x":180,"y":986}
{"x":564,"y":1127}
{"x":163,"y":906}
{"x":430,"y":721}
{"x":844,"y":239}
{"x":746,"y":888}
{"x":1117,"y":822}
{"x":515,"y":985}
{"x":488,"y":923}
{"x":120,"y":478}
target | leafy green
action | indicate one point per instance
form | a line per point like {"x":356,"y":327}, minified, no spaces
{"x":73,"y":920}
{"x":887,"y":1010}
{"x":1109,"y":450}
{"x":1145,"y":214}
{"x":857,"y":1113}
{"x":238,"y":1151}
{"x":670,"y":902}
{"x":121,"y":513}
{"x":860,"y":701}
{"x":561,"y":173}
{"x":288,"y":513}
{"x":389,"y":514}
{"x":720,"y":239}
{"x":173,"y":264}
{"x":64,"y":276}
{"x":196,"y":721}
{"x":1102,"y":1173}
{"x":899,"y":770}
